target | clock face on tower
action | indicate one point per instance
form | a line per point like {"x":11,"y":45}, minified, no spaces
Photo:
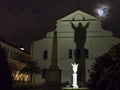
{"x":78,"y":17}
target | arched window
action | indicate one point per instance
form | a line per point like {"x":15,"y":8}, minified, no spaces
{"x":45,"y":55}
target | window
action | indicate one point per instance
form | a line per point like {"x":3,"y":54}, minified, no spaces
{"x":14,"y":55}
{"x":45,"y":55}
{"x":17,"y":55}
{"x":86,"y":53}
{"x":78,"y":17}
{"x":7,"y":52}
{"x":70,"y":53}
{"x":11,"y":54}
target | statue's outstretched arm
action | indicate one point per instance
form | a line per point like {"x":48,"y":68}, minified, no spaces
{"x":73,"y":26}
{"x":87,"y":25}
{"x":71,"y":64}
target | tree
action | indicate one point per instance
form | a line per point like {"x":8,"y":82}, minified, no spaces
{"x":5,"y":72}
{"x":32,"y":68}
{"x":105,"y":74}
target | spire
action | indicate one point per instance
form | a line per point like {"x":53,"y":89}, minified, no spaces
{"x":54,"y":52}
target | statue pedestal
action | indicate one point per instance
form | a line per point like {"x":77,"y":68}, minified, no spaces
{"x":75,"y":81}
{"x":53,"y":79}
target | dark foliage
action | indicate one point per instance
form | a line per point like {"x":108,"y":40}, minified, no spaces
{"x":5,"y":73}
{"x":105,"y":74}
{"x":32,"y":68}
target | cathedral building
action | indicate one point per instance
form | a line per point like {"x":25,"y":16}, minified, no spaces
{"x":80,"y":38}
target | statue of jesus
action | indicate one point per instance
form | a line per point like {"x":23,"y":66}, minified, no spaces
{"x":75,"y":67}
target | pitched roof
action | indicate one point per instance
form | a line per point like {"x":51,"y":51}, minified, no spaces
{"x":78,"y":15}
{"x":3,"y":40}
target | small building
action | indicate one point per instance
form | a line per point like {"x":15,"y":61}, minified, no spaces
{"x":16,"y":58}
{"x":98,"y":41}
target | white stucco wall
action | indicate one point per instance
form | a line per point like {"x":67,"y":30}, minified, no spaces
{"x":98,"y":42}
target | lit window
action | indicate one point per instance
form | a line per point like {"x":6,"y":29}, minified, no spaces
{"x":22,"y":49}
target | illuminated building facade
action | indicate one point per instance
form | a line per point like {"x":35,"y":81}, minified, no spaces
{"x":98,"y":41}
{"x":17,"y":59}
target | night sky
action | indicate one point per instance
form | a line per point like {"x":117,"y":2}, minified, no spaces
{"x":25,"y":21}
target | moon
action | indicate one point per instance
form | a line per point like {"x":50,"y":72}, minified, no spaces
{"x":103,"y":12}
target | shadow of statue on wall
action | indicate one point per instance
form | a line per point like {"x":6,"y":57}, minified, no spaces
{"x":79,"y":53}
{"x":5,"y":72}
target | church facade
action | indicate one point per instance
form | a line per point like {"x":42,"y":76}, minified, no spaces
{"x":97,"y":41}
